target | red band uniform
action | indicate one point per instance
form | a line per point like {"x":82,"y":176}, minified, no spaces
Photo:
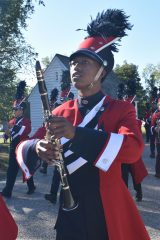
{"x":119,"y":142}
{"x":105,"y":135}
{"x":20,"y":128}
{"x":155,"y":129}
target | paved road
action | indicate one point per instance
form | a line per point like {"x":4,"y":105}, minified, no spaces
{"x":36,"y":216}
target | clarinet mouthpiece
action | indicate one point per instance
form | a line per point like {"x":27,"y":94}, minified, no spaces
{"x":38,"y":66}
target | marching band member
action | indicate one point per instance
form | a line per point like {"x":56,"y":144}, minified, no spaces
{"x":138,"y":172}
{"x":155,"y":129}
{"x":20,"y":127}
{"x":98,"y":134}
{"x":137,"y":169}
{"x":53,"y":104}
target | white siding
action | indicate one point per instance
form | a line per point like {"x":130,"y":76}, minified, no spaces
{"x":52,"y":77}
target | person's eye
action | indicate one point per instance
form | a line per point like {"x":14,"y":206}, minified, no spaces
{"x":85,"y":62}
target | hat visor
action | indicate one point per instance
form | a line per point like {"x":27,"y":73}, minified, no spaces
{"x":88,"y":53}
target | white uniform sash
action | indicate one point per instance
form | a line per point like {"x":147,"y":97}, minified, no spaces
{"x":89,"y":116}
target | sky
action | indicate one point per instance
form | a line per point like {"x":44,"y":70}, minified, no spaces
{"x":52,"y":29}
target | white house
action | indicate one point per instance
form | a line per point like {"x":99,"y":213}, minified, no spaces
{"x":52,"y":77}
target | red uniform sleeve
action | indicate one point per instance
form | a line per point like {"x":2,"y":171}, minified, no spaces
{"x":155,"y":117}
{"x":125,"y":143}
{"x":40,"y":133}
{"x":119,"y":138}
{"x":27,"y":124}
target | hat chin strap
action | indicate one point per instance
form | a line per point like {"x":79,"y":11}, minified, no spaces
{"x":96,"y":77}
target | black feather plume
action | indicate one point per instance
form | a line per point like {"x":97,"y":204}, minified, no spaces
{"x":112,"y":22}
{"x":20,"y":90}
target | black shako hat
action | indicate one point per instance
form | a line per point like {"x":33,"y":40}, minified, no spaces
{"x":104,"y":33}
{"x":19,"y":97}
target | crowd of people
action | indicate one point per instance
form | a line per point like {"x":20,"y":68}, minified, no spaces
{"x":101,"y":140}
{"x":152,"y":127}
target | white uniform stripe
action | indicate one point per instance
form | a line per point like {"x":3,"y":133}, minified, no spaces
{"x":72,"y":167}
{"x":152,"y":130}
{"x":20,"y":160}
{"x":68,"y":153}
{"x":107,"y":44}
{"x":111,"y":151}
{"x":87,"y":118}
{"x":19,"y":133}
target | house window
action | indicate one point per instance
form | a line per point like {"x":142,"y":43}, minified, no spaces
{"x":56,"y":76}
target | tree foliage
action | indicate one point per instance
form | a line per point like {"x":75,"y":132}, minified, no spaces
{"x":129,"y":75}
{"x":15,"y":53}
{"x":46,"y":61}
{"x":151,"y":75}
{"x":14,"y":50}
{"x":131,"y":84}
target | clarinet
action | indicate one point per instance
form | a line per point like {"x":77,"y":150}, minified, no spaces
{"x":68,"y":201}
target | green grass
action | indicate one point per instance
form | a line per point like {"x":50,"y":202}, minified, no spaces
{"x":1,"y":138}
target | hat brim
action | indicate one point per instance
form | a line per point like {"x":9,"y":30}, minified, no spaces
{"x":88,"y":53}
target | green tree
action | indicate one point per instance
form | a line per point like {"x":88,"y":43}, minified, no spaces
{"x":46,"y":61}
{"x":131,"y":84}
{"x":151,"y":75}
{"x":14,"y":50}
{"x":15,"y":53}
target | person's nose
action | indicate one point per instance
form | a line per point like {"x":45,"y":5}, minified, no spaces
{"x":78,"y":66}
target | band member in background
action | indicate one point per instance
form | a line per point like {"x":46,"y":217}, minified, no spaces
{"x":155,"y":130}
{"x":98,"y":134}
{"x":147,"y":119}
{"x":53,"y":103}
{"x":138,"y":172}
{"x":5,"y":137}
{"x":152,"y":141}
{"x":20,"y":127}
{"x":52,"y":196}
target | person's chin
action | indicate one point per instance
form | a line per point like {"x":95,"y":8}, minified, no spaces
{"x":76,"y":85}
{"x":76,"y":82}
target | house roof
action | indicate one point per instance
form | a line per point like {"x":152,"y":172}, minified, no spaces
{"x":64,"y":60}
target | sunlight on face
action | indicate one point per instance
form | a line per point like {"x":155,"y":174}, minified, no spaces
{"x":83,"y":71}
{"x":18,"y":112}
